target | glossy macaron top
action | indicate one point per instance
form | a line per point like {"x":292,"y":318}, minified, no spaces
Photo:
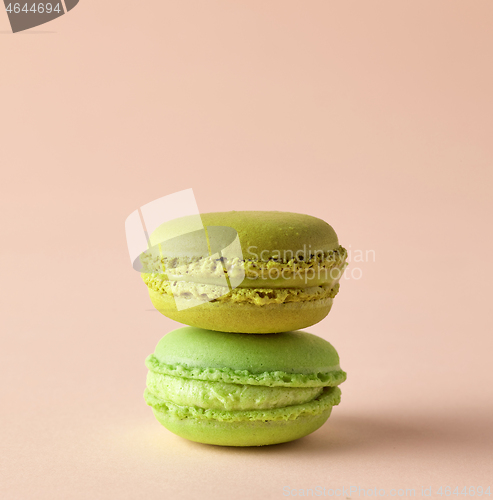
{"x":289,"y":359}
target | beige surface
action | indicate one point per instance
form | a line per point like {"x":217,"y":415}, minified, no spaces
{"x":374,"y":115}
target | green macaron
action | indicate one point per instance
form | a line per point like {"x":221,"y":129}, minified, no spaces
{"x":250,"y":272}
{"x":233,"y":389}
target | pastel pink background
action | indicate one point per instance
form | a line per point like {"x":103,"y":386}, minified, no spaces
{"x":375,"y":115}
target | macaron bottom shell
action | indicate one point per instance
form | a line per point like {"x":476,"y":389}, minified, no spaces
{"x":241,"y":433}
{"x":244,"y":428}
{"x":244,"y":317}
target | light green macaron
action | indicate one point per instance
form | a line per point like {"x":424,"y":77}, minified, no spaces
{"x":273,"y":272}
{"x":234,"y":389}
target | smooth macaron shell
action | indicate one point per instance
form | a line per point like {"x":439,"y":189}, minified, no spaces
{"x":245,"y":317}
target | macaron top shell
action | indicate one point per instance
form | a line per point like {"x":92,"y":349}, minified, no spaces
{"x":273,"y":233}
{"x":289,"y":359}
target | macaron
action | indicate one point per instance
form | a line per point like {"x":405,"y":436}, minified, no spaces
{"x":250,"y":272}
{"x":233,"y":389}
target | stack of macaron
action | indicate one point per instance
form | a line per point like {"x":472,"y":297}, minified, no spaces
{"x":242,"y":373}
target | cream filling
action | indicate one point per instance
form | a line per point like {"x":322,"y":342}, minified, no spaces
{"x":258,"y":296}
{"x":225,"y":396}
{"x":209,"y":267}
